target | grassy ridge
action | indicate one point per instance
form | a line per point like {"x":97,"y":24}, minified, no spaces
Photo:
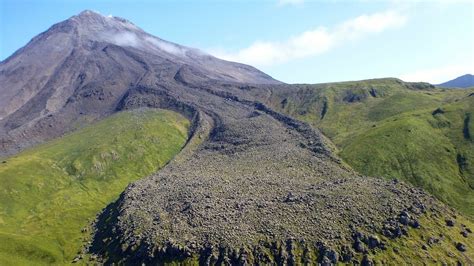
{"x":389,"y":128}
{"x":422,"y":149}
{"x":49,"y":193}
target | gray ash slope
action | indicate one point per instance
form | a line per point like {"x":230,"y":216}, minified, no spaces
{"x":78,"y":71}
{"x":251,"y":185}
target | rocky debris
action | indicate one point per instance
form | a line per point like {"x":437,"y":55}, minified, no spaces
{"x":347,"y":254}
{"x":374,"y":92}
{"x":93,"y":257}
{"x":290,"y":198}
{"x":366,"y":261}
{"x":373,"y":242}
{"x":461,"y":247}
{"x":363,"y":242}
{"x":438,"y":111}
{"x":432,"y":240}
{"x":449,"y":222}
{"x":419,"y":85}
{"x":359,"y":246}
{"x":414,"y":223}
{"x":324,"y":109}
{"x":393,"y":230}
{"x":404,"y":218}
{"x":328,"y":255}
{"x":352,"y":96}
{"x":77,"y":258}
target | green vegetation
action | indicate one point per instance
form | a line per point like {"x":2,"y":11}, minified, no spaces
{"x":389,"y":128}
{"x":50,"y":193}
{"x":432,"y":244}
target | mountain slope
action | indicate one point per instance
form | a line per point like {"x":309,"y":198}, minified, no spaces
{"x":251,"y":186}
{"x":390,"y":128}
{"x":53,"y":191}
{"x":79,"y":69}
{"x":464,"y":81}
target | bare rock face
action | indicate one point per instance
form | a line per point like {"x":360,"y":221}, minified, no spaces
{"x":251,"y":186}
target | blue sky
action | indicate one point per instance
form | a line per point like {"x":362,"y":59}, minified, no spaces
{"x":296,"y":41}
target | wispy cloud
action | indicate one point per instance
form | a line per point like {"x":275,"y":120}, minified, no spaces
{"x":124,"y":39}
{"x":313,"y":42}
{"x":167,"y":46}
{"x":144,"y":42}
{"x":439,"y":74}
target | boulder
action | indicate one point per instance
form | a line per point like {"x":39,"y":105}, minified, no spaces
{"x":449,"y":222}
{"x":373,"y":241}
{"x":461,"y":247}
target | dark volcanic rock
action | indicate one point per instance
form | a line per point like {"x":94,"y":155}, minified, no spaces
{"x":366,"y":261}
{"x":437,"y":111}
{"x":449,"y":222}
{"x":373,"y":241}
{"x":461,"y":247}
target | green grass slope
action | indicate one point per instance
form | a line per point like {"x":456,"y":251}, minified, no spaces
{"x":433,"y":243}
{"x":50,"y":193}
{"x":389,"y":128}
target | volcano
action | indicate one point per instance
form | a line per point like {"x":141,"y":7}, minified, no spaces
{"x":82,"y":67}
{"x":251,"y":185}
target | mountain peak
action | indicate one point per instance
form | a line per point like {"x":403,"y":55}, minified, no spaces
{"x":78,"y":45}
{"x":464,"y":81}
{"x":88,"y":16}
{"x":88,"y":12}
{"x":96,"y":21}
{"x":467,"y":76}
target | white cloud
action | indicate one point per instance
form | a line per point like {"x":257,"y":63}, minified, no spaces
{"x":374,"y":23}
{"x":144,"y":42}
{"x":166,"y":46}
{"x":290,"y":2}
{"x":313,"y":42}
{"x":125,"y":39}
{"x":439,"y":74}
